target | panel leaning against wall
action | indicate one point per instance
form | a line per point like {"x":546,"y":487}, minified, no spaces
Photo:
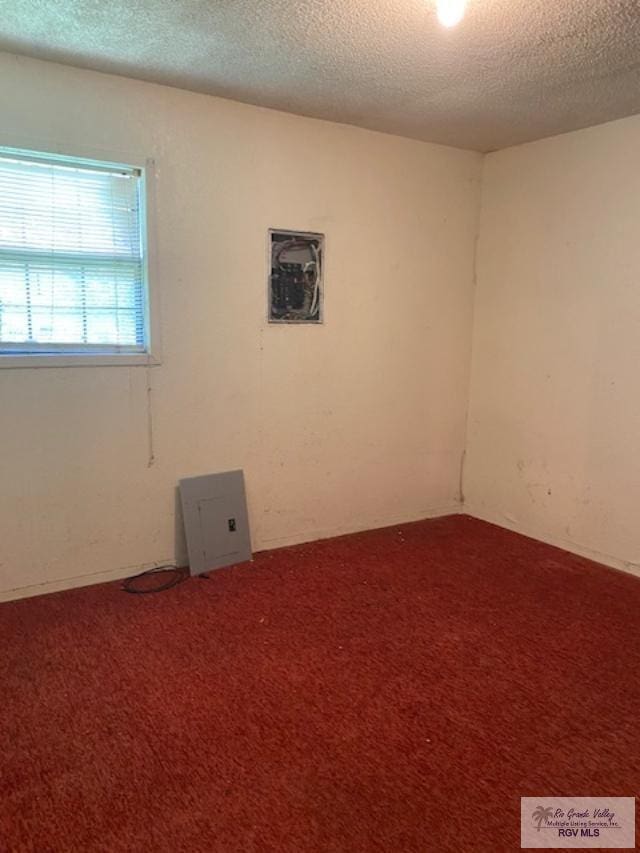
{"x":295,"y":277}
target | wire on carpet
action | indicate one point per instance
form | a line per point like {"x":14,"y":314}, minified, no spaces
{"x":133,"y":586}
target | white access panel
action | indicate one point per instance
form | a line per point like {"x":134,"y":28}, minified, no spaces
{"x":216,"y":524}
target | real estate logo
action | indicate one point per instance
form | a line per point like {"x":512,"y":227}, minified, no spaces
{"x":578,"y":822}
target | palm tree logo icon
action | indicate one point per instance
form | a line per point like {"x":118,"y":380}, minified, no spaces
{"x":542,"y":814}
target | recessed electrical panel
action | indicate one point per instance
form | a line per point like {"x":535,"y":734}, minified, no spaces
{"x":215,"y":518}
{"x":296,"y":282}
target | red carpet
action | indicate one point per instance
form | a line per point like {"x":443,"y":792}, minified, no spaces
{"x":392,"y":691}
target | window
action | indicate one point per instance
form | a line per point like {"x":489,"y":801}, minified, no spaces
{"x":73,"y":262}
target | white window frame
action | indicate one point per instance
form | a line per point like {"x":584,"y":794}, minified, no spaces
{"x":101,"y":356}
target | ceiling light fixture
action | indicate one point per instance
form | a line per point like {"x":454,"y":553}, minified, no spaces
{"x":451,"y":12}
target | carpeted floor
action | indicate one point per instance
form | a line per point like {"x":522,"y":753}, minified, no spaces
{"x":397,"y":690}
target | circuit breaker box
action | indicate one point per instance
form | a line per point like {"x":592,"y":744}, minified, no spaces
{"x":216,"y":523}
{"x":296,"y":282}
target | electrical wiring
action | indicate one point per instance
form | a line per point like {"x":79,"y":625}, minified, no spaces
{"x":295,"y":284}
{"x":178,"y":576}
{"x":316,"y":289}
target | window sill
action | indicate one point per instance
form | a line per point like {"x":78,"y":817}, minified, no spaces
{"x":80,"y":360}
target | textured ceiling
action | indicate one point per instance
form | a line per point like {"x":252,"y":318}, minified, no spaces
{"x":512,"y":71}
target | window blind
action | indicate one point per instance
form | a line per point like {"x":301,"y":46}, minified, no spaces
{"x":72,"y":256}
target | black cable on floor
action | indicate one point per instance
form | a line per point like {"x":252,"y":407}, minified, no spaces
{"x":177,"y":576}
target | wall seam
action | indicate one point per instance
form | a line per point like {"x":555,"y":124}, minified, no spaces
{"x":463,"y":456}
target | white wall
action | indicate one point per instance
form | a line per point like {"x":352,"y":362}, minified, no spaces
{"x":356,"y":424}
{"x":554,"y":426}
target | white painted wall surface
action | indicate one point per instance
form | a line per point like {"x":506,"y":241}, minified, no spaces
{"x":357,"y":424}
{"x":554,"y":425}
